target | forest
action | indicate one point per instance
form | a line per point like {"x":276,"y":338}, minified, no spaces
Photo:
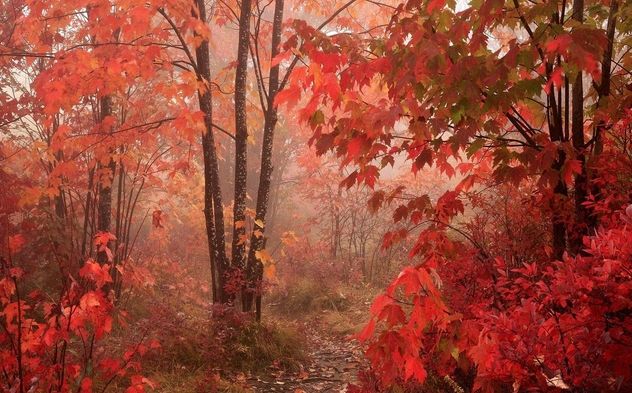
{"x":361,"y":196}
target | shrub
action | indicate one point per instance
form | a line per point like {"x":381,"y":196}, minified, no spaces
{"x":50,"y":345}
{"x":543,"y":326}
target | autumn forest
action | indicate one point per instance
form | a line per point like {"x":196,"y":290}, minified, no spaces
{"x":361,"y":196}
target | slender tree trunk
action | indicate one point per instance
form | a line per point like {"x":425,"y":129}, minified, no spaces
{"x":560,"y":194}
{"x":254,"y":269}
{"x":86,"y":219}
{"x":559,"y":222}
{"x":58,"y":200}
{"x":120,"y":239}
{"x":104,"y":209}
{"x":275,"y":194}
{"x":581,"y":180}
{"x":213,"y":206}
{"x":210,"y":219}
{"x":556,"y":132}
{"x":241,"y":140}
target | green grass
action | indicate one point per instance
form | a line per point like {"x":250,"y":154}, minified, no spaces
{"x":306,"y":296}
{"x":257,"y":346}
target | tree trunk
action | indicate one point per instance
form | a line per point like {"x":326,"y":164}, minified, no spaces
{"x":560,"y":191}
{"x":213,"y":206}
{"x":241,"y":139}
{"x":120,"y":238}
{"x":254,"y":269}
{"x":87,"y":211}
{"x":104,"y":210}
{"x":217,"y":294}
{"x":581,"y":180}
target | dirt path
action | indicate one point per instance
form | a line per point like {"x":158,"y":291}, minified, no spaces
{"x":332,"y":364}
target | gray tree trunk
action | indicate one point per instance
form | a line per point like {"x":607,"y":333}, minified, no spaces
{"x":254,"y":271}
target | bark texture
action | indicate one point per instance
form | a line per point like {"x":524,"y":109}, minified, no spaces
{"x":106,"y":177}
{"x":241,"y":138}
{"x":254,"y":269}
{"x":213,"y":206}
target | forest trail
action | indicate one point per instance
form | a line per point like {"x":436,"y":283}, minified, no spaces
{"x":332,"y":363}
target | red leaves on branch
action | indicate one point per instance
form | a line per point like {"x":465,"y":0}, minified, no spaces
{"x":39,"y":336}
{"x":565,"y":325}
{"x":395,"y":350}
{"x":102,"y":241}
{"x":99,"y":274}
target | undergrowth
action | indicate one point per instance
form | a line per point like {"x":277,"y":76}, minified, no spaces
{"x":202,"y":349}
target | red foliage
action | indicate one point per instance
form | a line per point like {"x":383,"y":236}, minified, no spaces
{"x":55,"y":345}
{"x":564,"y":324}
{"x":453,"y":87}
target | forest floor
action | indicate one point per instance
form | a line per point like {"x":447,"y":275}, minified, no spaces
{"x":304,"y":344}
{"x":332,"y":362}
